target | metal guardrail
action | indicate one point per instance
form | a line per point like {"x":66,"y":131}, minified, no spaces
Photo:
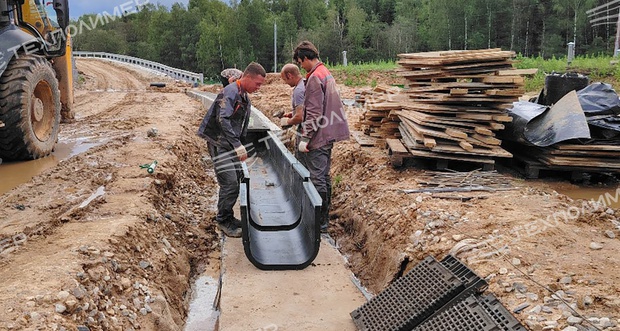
{"x":175,"y":73}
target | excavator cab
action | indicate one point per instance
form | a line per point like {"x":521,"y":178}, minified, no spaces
{"x":36,"y":80}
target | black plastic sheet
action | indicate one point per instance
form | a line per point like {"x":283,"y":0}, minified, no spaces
{"x":539,"y":125}
{"x":601,"y":105}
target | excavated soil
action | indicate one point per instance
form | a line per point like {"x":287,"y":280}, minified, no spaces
{"x":120,"y":259}
{"x":97,"y":241}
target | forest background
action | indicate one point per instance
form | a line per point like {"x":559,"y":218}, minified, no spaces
{"x":209,"y":35}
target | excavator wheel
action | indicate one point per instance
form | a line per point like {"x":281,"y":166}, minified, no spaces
{"x":29,"y":109}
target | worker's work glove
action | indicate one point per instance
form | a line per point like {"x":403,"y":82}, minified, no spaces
{"x":242,"y":154}
{"x":284,"y":122}
{"x":303,"y":145}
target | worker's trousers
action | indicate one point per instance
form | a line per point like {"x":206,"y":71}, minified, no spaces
{"x":229,"y":174}
{"x":318,"y":161}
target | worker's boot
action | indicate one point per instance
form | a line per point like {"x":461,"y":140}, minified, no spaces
{"x":324,"y":218}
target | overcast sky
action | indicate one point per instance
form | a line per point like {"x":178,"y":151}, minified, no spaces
{"x":80,"y":7}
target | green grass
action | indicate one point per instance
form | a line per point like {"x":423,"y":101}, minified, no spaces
{"x":377,"y":66}
{"x":361,"y":74}
{"x":597,"y":68}
{"x":337,"y":180}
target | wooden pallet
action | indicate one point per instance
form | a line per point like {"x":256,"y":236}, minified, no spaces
{"x":532,"y":168}
{"x":398,"y":153}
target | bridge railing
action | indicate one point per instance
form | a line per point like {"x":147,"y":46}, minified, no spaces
{"x":184,"y":75}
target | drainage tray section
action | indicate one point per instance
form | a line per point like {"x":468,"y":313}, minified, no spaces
{"x":279,"y":207}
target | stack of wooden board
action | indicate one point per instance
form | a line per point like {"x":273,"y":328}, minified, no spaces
{"x":456,"y":102}
{"x":378,"y":119}
{"x":597,"y":156}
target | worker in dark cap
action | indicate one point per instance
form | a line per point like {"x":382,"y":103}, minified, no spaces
{"x":230,"y":75}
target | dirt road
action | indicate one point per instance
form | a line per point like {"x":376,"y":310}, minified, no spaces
{"x":97,"y":241}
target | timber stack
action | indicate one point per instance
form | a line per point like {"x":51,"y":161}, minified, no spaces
{"x":379,"y":119}
{"x":455,"y":103}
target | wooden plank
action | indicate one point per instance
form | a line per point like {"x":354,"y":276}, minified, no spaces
{"x":455,"y":133}
{"x":396,"y":146}
{"x":505,"y":92}
{"x":515,"y":72}
{"x":497,"y":126}
{"x":477,"y":117}
{"x":580,"y":162}
{"x":593,"y":152}
{"x":362,"y":139}
{"x":424,"y":132}
{"x":459,"y":91}
{"x":421,"y":106}
{"x":415,"y":136}
{"x":466,"y":146}
{"x":448,"y":53}
{"x":615,"y":148}
{"x":445,"y":86}
{"x":502,"y":118}
{"x":446,"y":147}
{"x":465,"y":125}
{"x":447,"y":128}
{"x":444,"y":156}
{"x":487,"y":140}
{"x":430,"y":143}
{"x":504,"y":79}
{"x":484,"y":131}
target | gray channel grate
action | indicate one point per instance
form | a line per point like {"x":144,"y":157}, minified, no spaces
{"x":410,"y":299}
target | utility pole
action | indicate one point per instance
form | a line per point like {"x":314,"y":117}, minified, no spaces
{"x":275,"y":47}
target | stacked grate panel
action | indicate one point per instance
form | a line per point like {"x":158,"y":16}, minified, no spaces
{"x":410,"y":299}
{"x":436,"y":296}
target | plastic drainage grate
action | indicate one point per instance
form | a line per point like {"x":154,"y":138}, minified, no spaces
{"x":502,"y":317}
{"x":466,"y":315}
{"x":472,"y":282}
{"x":410,"y":299}
{"x":436,"y":296}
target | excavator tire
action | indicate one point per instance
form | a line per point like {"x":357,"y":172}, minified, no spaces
{"x":29,"y":109}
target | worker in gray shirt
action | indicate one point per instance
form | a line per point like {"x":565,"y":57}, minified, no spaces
{"x":291,"y":75}
{"x":224,"y":125}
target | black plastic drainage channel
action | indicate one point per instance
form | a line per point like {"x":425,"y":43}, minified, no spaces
{"x":279,"y":207}
{"x":279,"y":204}
{"x":435,"y":296}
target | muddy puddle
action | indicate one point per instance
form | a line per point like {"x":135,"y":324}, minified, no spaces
{"x":12,"y":174}
{"x":610,"y":194}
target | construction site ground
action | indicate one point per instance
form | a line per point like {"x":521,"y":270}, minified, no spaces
{"x":94,"y":240}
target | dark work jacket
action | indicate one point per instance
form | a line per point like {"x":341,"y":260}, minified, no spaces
{"x":325,"y":121}
{"x":226,"y":121}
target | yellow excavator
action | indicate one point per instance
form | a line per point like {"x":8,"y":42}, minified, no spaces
{"x":36,"y":76}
